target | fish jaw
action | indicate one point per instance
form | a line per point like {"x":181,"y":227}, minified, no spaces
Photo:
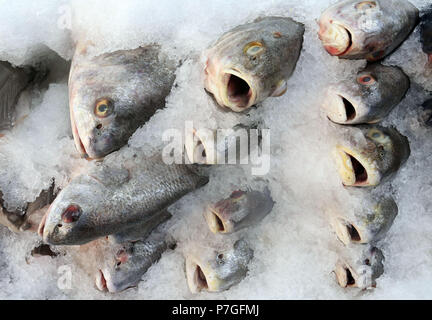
{"x":201,"y":148}
{"x":200,"y":276}
{"x":355,"y":169}
{"x":336,"y":38}
{"x":341,"y":108}
{"x":230,"y":87}
{"x":217,"y":221}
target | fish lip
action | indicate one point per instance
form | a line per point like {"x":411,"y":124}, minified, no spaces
{"x":345,"y":275}
{"x":101,"y":282}
{"x":329,"y":44}
{"x":236,"y":104}
{"x":215,"y":221}
{"x":348,"y":173}
{"x":42,"y":224}
{"x":194,"y":270}
{"x":342,"y":226}
{"x":77,"y":139}
{"x":340,"y":109}
{"x":193,"y":145}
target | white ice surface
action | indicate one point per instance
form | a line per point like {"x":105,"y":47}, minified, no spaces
{"x":295,"y":249}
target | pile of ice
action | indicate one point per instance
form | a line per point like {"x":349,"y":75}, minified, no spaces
{"x":295,"y":250}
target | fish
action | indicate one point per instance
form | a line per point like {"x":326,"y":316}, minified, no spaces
{"x":367,"y":98}
{"x":241,"y":210}
{"x":426,"y":33}
{"x":369,"y":155}
{"x":113,"y":94}
{"x":125,"y":269}
{"x":217,"y":268}
{"x":13,"y":81}
{"x":369,"y":30}
{"x":127,"y":189}
{"x":359,"y":267}
{"x":29,"y":216}
{"x":366,"y":224}
{"x":253,"y":61}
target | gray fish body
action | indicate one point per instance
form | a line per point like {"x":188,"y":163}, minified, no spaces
{"x":142,"y":230}
{"x":374,"y":158}
{"x":241,"y":210}
{"x":368,"y":98}
{"x":367,"y":224}
{"x":253,"y":61}
{"x":426,"y":33}
{"x":12,"y":82}
{"x":119,"y":194}
{"x":113,"y":94}
{"x":216,"y":270}
{"x":369,"y":30}
{"x":131,"y":262}
{"x":359,"y":267}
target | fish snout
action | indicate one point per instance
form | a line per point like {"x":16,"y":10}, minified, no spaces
{"x":335,"y":38}
{"x":339,"y":109}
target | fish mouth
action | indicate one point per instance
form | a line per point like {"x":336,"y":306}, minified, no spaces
{"x":340,"y":109}
{"x":345,"y":276}
{"x":41,"y":228}
{"x":101,"y":282}
{"x":352,"y":169}
{"x":336,"y":38}
{"x":201,"y":148}
{"x":77,"y":139}
{"x":199,"y":277}
{"x":216,"y":222}
{"x":238,"y":92}
{"x":347,"y":232}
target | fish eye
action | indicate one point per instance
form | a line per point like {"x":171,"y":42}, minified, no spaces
{"x":104,"y":107}
{"x":71,"y":214}
{"x":365,"y":5}
{"x":253,"y":48}
{"x":366,"y":79}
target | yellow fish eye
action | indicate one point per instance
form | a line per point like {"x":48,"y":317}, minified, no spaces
{"x":103,"y":108}
{"x":365,"y":5}
{"x":253,"y":48}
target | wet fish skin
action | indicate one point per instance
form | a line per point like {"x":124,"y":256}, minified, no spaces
{"x":215,"y":270}
{"x":131,"y":262}
{"x":369,"y":30}
{"x":112,"y":95}
{"x":360,"y":267}
{"x":372,"y":160}
{"x":127,"y":189}
{"x":252,"y":62}
{"x":367,"y":225}
{"x":369,"y":97}
{"x":426,"y":33}
{"x":12,"y":82}
{"x":241,"y":210}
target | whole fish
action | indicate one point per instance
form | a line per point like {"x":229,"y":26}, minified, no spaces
{"x":359,"y":267}
{"x":126,"y":268}
{"x":113,"y":94}
{"x":217,"y":269}
{"x":369,"y":30}
{"x":253,"y":62}
{"x":367,"y":224}
{"x":367,"y":98}
{"x":241,"y":210}
{"x":125,"y":190}
{"x":368,"y":155}
{"x":426,"y":33}
{"x":12,"y":82}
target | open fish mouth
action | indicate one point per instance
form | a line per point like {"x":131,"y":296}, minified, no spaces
{"x":238,"y":92}
{"x":347,"y":232}
{"x":101,"y":282}
{"x":216,"y":222}
{"x":345,"y":276}
{"x":77,"y":139}
{"x":199,"y":277}
{"x":201,"y":148}
{"x":355,"y":170}
{"x":340,"y":109}
{"x":336,"y":39}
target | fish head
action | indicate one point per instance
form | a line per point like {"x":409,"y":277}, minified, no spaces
{"x":369,"y":30}
{"x":105,"y":103}
{"x":122,"y":272}
{"x":368,"y":97}
{"x":253,"y":61}
{"x":77,"y":214}
{"x":217,"y":270}
{"x":376,"y":155}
